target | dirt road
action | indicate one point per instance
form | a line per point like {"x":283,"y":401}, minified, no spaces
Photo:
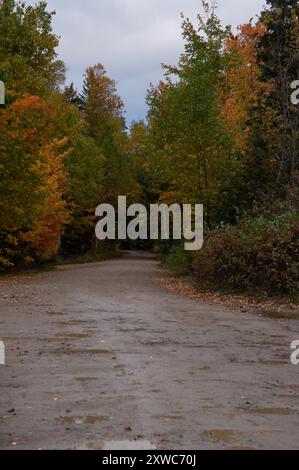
{"x":101,"y":356}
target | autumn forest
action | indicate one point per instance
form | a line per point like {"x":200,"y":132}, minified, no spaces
{"x":222,"y":130}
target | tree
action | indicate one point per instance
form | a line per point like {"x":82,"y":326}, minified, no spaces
{"x":193,"y":149}
{"x":51,"y":169}
{"x":141,"y":150}
{"x":247,"y":119}
{"x":103,"y":113}
{"x":28,"y":57}
{"x":279,"y":59}
{"x":72,"y":96}
{"x":32,"y":181}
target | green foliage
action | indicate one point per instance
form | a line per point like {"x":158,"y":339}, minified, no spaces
{"x":178,"y":259}
{"x":221,"y":131}
{"x":60,"y":154}
{"x":28,"y":57}
{"x":103,"y":113}
{"x":193,"y":155}
{"x":84,"y":166}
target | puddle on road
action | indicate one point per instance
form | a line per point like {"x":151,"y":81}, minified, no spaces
{"x":73,"y":322}
{"x":168,"y":419}
{"x":18,"y":338}
{"x":240,"y":448}
{"x":67,"y":420}
{"x":57,"y":340}
{"x":72,"y":335}
{"x":272,"y":411}
{"x":289,"y":397}
{"x":117,"y":445}
{"x":132,"y":330}
{"x":291,"y":386}
{"x":158,"y":342}
{"x":128,"y":445}
{"x":274,"y":362}
{"x":225,"y":435}
{"x":84,"y":380}
{"x":3,"y":418}
{"x":78,"y":351}
{"x":260,"y":344}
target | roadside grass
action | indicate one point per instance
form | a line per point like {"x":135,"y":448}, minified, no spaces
{"x":260,"y":303}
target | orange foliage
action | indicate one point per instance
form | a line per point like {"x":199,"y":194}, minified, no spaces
{"x":242,"y":84}
{"x":48,"y":229}
{"x":34,"y":168}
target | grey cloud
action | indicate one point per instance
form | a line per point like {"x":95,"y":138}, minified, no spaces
{"x":131,"y":38}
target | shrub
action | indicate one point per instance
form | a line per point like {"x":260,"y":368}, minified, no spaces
{"x":261,"y":253}
{"x":178,"y":259}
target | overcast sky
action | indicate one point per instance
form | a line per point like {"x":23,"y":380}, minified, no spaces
{"x":131,"y":38}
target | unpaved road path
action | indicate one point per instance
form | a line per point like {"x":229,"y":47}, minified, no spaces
{"x":100,"y":355}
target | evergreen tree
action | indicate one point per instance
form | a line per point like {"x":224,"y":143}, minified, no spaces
{"x":279,"y":58}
